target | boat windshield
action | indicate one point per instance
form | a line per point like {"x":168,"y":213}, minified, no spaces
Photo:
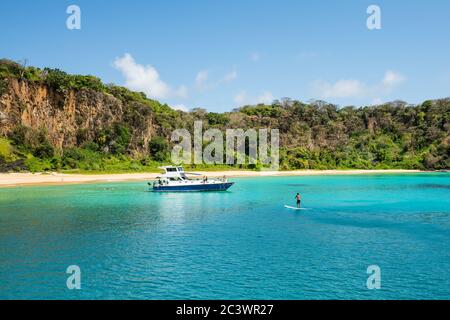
{"x":185,"y":177}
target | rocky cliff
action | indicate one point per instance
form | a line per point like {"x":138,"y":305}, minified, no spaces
{"x":72,"y":117}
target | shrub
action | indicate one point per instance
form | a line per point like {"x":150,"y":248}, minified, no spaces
{"x":3,"y":86}
{"x":44,"y":151}
{"x":159,"y":149}
{"x":57,"y":79}
{"x":18,"y":136}
{"x":217,"y":119}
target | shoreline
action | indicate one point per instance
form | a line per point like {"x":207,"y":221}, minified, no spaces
{"x":28,"y":179}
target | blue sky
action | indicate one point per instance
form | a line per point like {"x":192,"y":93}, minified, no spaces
{"x":221,"y":54}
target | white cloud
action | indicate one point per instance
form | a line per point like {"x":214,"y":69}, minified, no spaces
{"x":201,"y":78}
{"x":181,"y":107}
{"x":377,"y":102}
{"x":230,"y":76}
{"x":352,"y":88}
{"x":242,"y":98}
{"x":340,"y":89}
{"x":266,"y":98}
{"x":392,"y":79}
{"x":203,"y":81}
{"x":144,"y":78}
{"x":182,"y":92}
{"x":255,"y":56}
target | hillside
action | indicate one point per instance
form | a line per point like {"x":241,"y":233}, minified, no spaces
{"x":50,"y":120}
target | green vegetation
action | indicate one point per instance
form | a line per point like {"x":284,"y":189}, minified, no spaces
{"x":54,"y":78}
{"x":159,"y":149}
{"x":316,"y":135}
{"x":6,"y":150}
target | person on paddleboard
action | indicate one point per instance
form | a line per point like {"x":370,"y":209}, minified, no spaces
{"x":298,"y":197}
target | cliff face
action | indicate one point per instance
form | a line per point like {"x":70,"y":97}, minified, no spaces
{"x":67,"y":116}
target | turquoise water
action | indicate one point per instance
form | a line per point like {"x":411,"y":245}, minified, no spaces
{"x":241,"y":244}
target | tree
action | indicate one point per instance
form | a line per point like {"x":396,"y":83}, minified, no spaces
{"x":159,"y":149}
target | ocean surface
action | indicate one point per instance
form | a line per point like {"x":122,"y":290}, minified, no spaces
{"x":130,"y":243}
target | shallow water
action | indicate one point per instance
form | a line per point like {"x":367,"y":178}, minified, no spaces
{"x":240,"y":244}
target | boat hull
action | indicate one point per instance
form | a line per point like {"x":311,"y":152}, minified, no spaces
{"x":194,"y":188}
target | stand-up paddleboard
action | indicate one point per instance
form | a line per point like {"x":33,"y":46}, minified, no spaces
{"x":295,"y":208}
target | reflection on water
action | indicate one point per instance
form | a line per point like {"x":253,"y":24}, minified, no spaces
{"x":131,"y":243}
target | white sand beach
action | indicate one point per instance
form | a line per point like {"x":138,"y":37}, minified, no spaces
{"x":20,"y":179}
